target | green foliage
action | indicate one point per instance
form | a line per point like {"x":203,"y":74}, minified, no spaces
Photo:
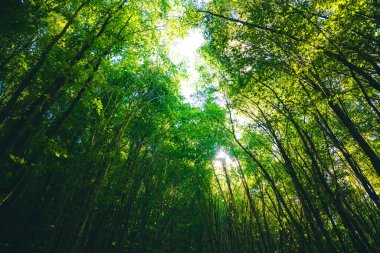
{"x":99,"y":152}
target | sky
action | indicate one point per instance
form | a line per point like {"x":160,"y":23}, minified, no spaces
{"x":185,"y":50}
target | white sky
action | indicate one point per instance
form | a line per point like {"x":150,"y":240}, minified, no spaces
{"x":218,"y":164}
{"x":185,"y":50}
{"x":222,"y":155}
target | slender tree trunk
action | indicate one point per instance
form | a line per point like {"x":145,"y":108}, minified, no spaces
{"x":25,"y":82}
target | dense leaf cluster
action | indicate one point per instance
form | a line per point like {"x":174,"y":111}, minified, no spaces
{"x":100,"y":153}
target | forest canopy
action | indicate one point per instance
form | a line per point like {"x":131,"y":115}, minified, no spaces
{"x":277,"y":151}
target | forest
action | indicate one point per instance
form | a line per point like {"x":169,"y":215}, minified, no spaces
{"x":278,"y":149}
